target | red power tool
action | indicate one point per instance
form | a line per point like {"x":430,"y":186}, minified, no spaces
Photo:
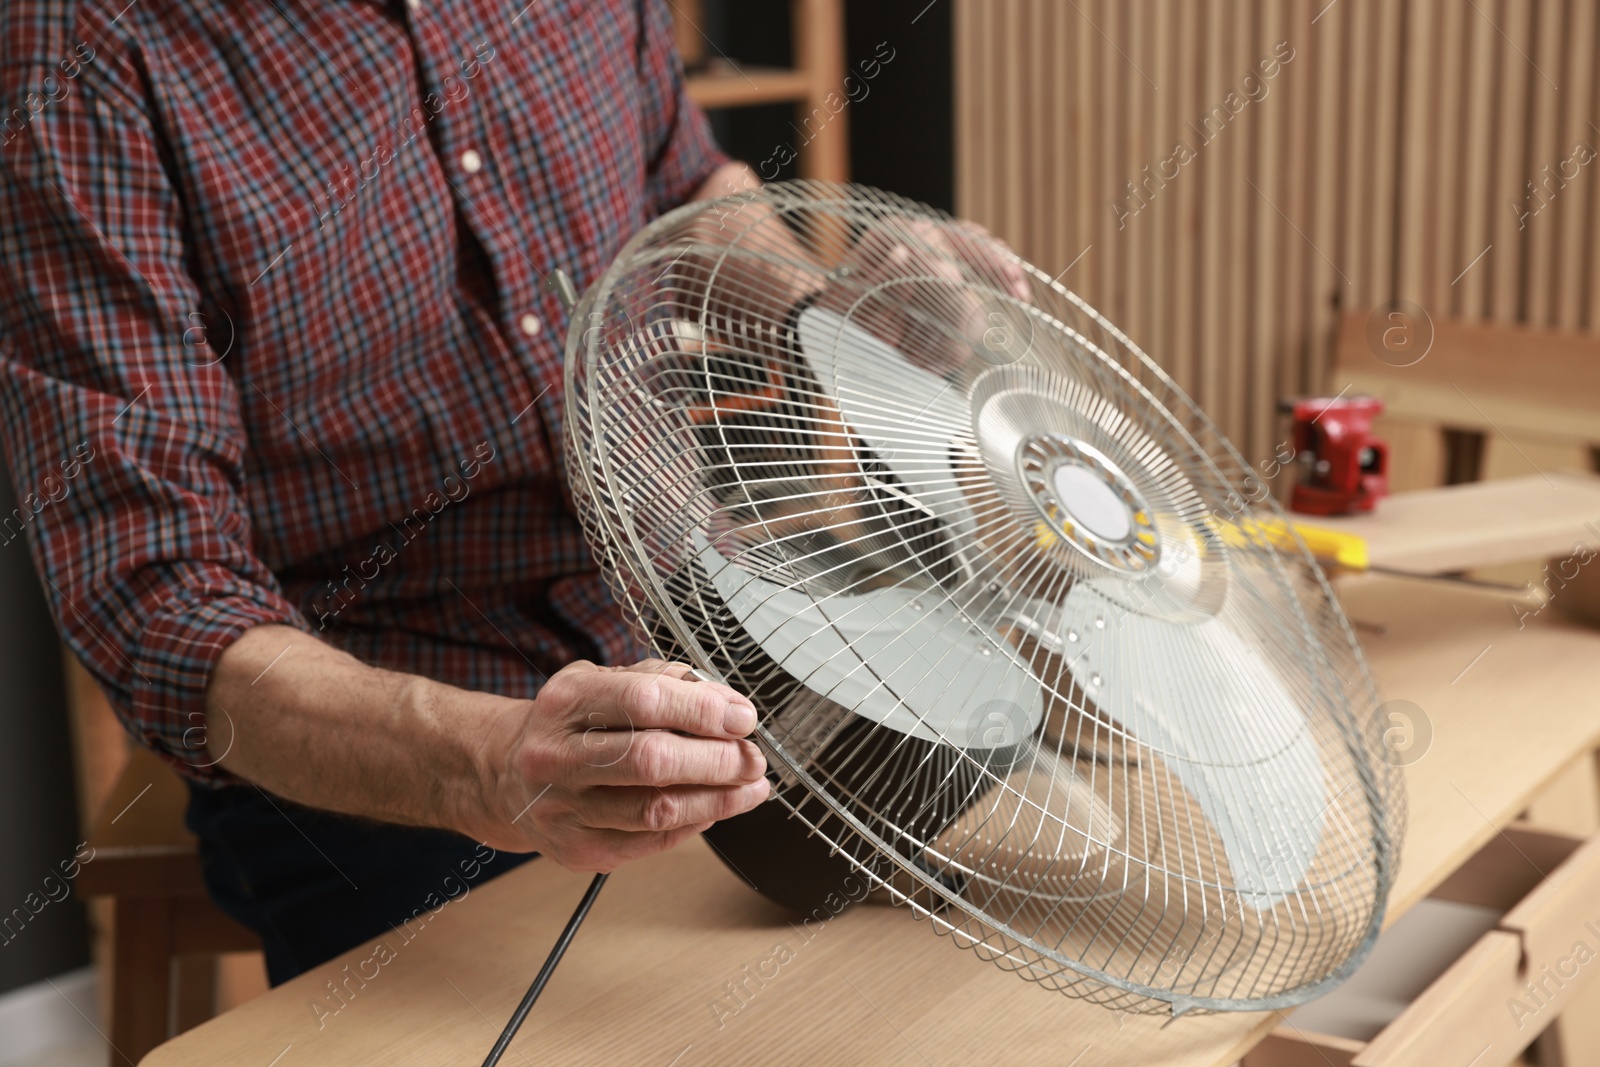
{"x":1347,"y":469}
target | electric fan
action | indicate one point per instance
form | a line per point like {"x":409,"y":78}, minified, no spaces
{"x":1026,"y":658}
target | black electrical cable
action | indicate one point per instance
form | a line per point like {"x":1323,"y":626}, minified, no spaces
{"x":556,"y":952}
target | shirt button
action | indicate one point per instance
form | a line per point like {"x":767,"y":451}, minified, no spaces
{"x":471,"y":162}
{"x":414,"y":4}
{"x":531,"y":325}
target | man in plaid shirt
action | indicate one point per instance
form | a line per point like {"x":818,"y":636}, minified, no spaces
{"x":282,"y":396}
{"x":282,"y":402}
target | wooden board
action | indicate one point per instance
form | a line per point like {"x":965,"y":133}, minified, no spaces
{"x":1482,"y":523}
{"x":1501,"y":379}
{"x":648,"y":971}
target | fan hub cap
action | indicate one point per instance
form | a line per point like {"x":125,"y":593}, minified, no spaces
{"x":1087,"y":501}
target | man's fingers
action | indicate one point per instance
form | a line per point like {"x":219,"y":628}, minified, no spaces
{"x":654,"y":700}
{"x":662,"y":758}
{"x":682,"y":672}
{"x":925,"y":251}
{"x":643,"y":809}
{"x":659,"y":666}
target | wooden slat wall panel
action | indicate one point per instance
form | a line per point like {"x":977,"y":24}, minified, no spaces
{"x":1443,"y":247}
{"x":1477,"y":207}
{"x":1578,"y":102}
{"x":1395,"y":147}
{"x":1379,"y":216}
{"x":1511,"y":157}
{"x":1324,"y":286}
{"x":1211,"y":178}
{"x":1287,"y":357}
{"x":1180,"y":218}
{"x":1241,"y":214}
{"x":1544,"y":129}
{"x":1361,"y":148}
{"x":1419,"y":181}
{"x":1591,"y":310}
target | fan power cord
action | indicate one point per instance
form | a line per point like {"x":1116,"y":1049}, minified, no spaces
{"x":556,"y":952}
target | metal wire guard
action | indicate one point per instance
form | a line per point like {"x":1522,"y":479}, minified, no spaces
{"x":1007,"y":602}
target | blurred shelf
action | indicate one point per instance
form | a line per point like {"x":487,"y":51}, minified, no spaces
{"x":817,"y":76}
{"x":749,"y":85}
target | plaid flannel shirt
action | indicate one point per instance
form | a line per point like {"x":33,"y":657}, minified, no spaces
{"x":274,"y":341}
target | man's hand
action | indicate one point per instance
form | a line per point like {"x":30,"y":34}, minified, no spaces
{"x":920,"y":286}
{"x":607,"y":765}
{"x":613,"y":764}
{"x":947,"y":294}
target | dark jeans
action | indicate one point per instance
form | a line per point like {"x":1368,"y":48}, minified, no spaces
{"x":314,"y":884}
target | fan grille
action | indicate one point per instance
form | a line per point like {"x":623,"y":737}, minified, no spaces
{"x":1130,"y":754}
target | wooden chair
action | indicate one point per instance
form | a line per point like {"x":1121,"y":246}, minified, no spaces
{"x":166,"y":935}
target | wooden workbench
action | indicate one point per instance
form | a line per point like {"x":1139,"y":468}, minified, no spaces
{"x":1478,"y":524}
{"x":643,"y":982}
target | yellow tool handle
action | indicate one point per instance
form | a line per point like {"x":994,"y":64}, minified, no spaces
{"x":1332,"y":548}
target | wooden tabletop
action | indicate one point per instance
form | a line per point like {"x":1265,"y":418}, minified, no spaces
{"x":1478,"y":524}
{"x":646,"y":981}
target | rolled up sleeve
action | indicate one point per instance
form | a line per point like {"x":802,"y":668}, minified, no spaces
{"x":122,"y":429}
{"x":682,"y":156}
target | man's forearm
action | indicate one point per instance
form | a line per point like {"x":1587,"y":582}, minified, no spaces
{"x":608,"y":765}
{"x":315,"y":725}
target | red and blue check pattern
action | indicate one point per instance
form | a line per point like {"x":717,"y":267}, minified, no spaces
{"x":275,"y":267}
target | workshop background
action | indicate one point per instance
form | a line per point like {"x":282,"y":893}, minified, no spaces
{"x":1222,"y":178}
